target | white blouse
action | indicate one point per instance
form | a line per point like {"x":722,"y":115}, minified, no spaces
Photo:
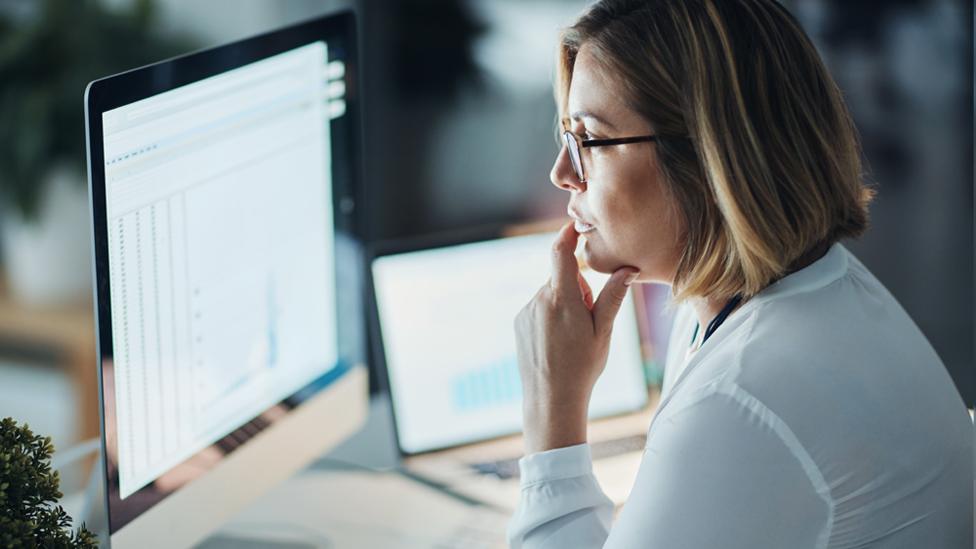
{"x":817,"y":415}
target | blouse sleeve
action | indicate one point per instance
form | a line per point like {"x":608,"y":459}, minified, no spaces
{"x":723,"y":472}
{"x":561,"y":503}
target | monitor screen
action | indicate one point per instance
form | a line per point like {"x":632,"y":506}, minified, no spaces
{"x":221,"y":187}
{"x":447,"y":316}
{"x":220,"y":251}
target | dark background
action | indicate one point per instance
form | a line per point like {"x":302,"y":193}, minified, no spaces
{"x":465,"y":141}
{"x":459,"y":122}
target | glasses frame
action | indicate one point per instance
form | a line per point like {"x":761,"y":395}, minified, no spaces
{"x":574,"y":143}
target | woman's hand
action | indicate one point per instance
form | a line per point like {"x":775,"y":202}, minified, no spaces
{"x":562,"y":340}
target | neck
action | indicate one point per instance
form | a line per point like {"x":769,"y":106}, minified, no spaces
{"x":707,"y":308}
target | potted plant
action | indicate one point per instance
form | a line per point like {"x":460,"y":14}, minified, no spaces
{"x":29,"y":491}
{"x":47,"y":57}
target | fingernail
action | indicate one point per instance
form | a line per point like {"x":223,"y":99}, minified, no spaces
{"x":631,"y":278}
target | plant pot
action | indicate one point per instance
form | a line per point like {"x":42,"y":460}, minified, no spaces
{"x":48,"y":259}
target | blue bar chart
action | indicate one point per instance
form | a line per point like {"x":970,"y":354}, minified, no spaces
{"x":494,"y":384}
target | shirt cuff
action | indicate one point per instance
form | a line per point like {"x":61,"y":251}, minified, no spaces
{"x":568,"y":462}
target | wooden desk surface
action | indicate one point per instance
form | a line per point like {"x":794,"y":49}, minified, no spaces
{"x":67,"y":334}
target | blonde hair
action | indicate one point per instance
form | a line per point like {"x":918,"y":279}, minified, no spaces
{"x":757,"y":147}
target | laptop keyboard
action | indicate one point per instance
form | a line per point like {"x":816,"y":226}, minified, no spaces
{"x":508,"y":468}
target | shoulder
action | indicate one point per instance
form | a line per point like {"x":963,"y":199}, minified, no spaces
{"x":827,"y":345}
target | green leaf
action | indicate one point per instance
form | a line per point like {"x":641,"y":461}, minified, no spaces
{"x":29,"y":491}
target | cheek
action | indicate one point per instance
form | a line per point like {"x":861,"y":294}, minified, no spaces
{"x":636,"y":226}
{"x":631,"y":226}
{"x":615,"y":212}
{"x":622,"y":227}
{"x":625,"y":207}
{"x":613,"y":197}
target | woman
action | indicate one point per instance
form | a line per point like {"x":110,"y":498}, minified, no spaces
{"x":706,"y":147}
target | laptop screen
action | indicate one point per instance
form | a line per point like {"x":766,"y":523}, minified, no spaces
{"x":446,"y":318}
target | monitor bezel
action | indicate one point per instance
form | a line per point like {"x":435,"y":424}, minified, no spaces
{"x":339,"y":30}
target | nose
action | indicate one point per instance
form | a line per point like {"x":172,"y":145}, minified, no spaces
{"x":563,"y":175}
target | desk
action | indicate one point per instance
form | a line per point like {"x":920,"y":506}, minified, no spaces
{"x":327,"y":505}
{"x":337,"y":508}
{"x":331,"y":505}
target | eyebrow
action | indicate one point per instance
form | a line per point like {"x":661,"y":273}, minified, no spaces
{"x":584,"y":114}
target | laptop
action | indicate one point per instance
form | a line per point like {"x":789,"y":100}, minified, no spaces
{"x":446,"y":342}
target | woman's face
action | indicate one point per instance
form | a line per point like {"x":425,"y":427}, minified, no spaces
{"x":624,"y":201}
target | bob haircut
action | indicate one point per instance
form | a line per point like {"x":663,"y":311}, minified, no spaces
{"x":756,"y":145}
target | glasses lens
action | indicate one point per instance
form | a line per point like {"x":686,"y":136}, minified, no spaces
{"x":574,"y":155}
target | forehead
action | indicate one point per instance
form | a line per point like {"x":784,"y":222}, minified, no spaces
{"x":594,"y":93}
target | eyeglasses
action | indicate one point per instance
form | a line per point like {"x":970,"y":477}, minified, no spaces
{"x":574,"y":142}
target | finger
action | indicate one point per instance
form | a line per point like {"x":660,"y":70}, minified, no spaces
{"x":587,"y":292}
{"x":611,"y":296}
{"x":565,"y":269}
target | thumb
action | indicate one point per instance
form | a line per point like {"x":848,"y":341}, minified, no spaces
{"x":611,"y":296}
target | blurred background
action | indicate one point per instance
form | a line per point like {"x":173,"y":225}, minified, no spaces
{"x":459,"y":122}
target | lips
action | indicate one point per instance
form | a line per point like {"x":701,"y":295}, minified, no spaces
{"x":582,"y":226}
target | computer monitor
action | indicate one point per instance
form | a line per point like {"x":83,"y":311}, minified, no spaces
{"x":446,"y":319}
{"x":224,"y":186}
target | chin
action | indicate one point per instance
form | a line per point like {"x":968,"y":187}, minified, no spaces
{"x":599,"y":260}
